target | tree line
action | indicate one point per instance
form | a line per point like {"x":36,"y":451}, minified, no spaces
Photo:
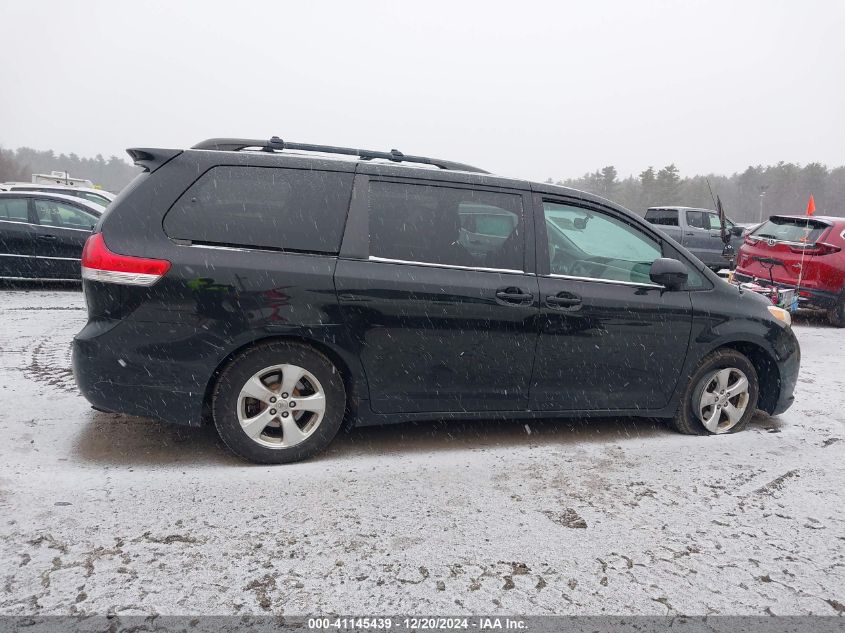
{"x":784,"y":188}
{"x":112,"y":174}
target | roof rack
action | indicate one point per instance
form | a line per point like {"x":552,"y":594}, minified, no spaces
{"x":275,"y":143}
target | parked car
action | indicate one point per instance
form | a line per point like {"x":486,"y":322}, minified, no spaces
{"x":42,"y":234}
{"x":802,"y":253}
{"x":99,"y":196}
{"x":699,"y":230}
{"x":275,"y":293}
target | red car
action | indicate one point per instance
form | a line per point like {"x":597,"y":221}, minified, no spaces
{"x":799,"y":252}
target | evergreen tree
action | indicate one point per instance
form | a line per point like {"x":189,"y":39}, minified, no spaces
{"x":608,"y":181}
{"x":787,"y":188}
{"x":667,"y":182}
{"x":648,"y":188}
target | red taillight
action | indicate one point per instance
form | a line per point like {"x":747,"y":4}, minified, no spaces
{"x":819,"y":248}
{"x":101,"y":264}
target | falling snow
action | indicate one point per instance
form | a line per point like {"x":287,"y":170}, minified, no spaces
{"x":105,"y":513}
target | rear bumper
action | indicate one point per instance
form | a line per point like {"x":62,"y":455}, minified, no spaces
{"x":114,"y":374}
{"x":807,"y":297}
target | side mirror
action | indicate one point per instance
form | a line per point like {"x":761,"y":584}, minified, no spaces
{"x":669,"y":273}
{"x":580,"y":223}
{"x":737,"y":231}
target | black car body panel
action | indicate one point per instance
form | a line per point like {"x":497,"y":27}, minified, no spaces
{"x":42,"y":234}
{"x":413,"y":339}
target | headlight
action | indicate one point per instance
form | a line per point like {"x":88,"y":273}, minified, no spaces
{"x":780,"y":314}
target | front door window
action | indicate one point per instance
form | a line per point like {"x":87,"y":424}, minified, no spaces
{"x":591,"y":244}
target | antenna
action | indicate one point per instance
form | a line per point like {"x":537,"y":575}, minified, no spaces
{"x":712,"y":197}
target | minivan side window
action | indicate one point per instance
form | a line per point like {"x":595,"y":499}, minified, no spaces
{"x":592,"y":244}
{"x":446,"y":225}
{"x":300,"y":210}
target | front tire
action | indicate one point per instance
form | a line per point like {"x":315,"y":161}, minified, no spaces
{"x":721,"y":396}
{"x":278,"y":403}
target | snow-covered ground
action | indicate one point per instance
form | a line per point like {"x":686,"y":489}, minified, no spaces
{"x":101,"y":513}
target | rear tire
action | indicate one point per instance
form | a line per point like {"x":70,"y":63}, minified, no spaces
{"x":836,"y":315}
{"x":278,"y":403}
{"x":707,"y":395}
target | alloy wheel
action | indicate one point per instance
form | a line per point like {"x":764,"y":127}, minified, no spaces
{"x":723,"y":399}
{"x":281,"y":406}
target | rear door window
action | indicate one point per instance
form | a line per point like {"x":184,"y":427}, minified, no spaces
{"x":446,"y":225}
{"x":299,"y":210}
{"x":14,"y":210}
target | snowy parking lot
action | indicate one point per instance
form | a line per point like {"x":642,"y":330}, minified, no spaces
{"x":101,"y":513}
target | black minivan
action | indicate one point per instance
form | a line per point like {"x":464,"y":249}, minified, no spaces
{"x":278,"y":289}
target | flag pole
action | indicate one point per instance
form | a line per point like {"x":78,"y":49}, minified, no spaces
{"x":811,"y":209}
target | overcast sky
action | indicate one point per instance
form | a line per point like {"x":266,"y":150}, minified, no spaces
{"x":519,"y":88}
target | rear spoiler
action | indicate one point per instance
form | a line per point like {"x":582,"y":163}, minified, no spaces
{"x":151,"y":158}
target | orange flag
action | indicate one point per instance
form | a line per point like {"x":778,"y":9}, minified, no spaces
{"x":811,"y":206}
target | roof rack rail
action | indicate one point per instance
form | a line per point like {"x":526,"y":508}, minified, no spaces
{"x":275,"y":143}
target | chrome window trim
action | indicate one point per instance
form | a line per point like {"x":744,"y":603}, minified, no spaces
{"x":63,"y":228}
{"x":606,"y":281}
{"x":250,"y":249}
{"x":237,"y":249}
{"x":387,"y":260}
{"x":67,"y":259}
{"x":11,"y":278}
{"x":47,"y":226}
{"x":18,"y":222}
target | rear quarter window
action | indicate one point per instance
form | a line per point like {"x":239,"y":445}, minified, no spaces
{"x":14,"y":210}
{"x":663,"y":217}
{"x":264,"y":207}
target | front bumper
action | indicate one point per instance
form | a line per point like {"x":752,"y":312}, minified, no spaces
{"x":788,"y":361}
{"x":807,"y":297}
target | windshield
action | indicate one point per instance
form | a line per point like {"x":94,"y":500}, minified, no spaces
{"x":799,"y":230}
{"x":95,"y":197}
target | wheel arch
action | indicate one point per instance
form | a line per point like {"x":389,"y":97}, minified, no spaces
{"x":768,"y":374}
{"x":350,"y":380}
